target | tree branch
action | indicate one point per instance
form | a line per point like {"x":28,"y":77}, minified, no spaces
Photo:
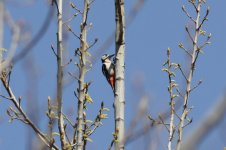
{"x":26,"y":119}
{"x":195,"y":54}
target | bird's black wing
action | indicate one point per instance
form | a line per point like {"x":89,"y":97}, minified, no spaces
{"x":104,"y":70}
{"x":112,"y":66}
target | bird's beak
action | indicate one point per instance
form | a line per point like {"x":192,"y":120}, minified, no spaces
{"x":111,"y":55}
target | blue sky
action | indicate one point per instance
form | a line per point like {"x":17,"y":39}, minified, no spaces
{"x":158,"y":25}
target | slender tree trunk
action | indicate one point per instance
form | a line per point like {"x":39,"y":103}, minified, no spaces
{"x":82,"y":72}
{"x":119,"y":103}
{"x":60,"y":74}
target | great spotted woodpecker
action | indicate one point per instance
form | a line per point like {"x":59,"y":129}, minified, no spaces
{"x":108,"y":69}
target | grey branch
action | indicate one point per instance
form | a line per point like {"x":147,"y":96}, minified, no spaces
{"x":195,"y":54}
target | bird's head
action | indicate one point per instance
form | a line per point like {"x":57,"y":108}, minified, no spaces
{"x":106,"y":57}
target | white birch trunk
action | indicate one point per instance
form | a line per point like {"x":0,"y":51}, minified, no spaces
{"x":119,"y":103}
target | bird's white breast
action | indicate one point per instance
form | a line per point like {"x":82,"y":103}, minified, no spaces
{"x":109,"y":68}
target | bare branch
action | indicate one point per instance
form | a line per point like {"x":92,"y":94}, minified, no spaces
{"x":205,"y":18}
{"x":69,"y":29}
{"x":182,"y":47}
{"x":95,"y":41}
{"x":189,"y":34}
{"x":182,"y":72}
{"x":163,"y":123}
{"x":195,"y":54}
{"x":54,"y":51}
{"x":26,"y":119}
{"x":198,"y":84}
{"x":74,"y":7}
{"x":188,"y":15}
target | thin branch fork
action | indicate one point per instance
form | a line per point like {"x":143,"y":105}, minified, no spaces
{"x":190,"y":36}
{"x":41,"y":135}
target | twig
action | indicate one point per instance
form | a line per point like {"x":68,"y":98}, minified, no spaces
{"x":74,"y":7}
{"x":9,"y":98}
{"x":69,"y":121}
{"x":205,"y":18}
{"x":95,"y":41}
{"x":182,"y":72}
{"x":188,"y":15}
{"x":68,"y":139}
{"x":54,"y":51}
{"x":182,"y":47}
{"x":70,"y":19}
{"x":163,"y":123}
{"x":200,"y":82}
{"x":57,"y":6}
{"x":73,"y":76}
{"x":69,"y":29}
{"x":189,"y":34}
{"x":111,"y":145}
{"x":70,"y":60}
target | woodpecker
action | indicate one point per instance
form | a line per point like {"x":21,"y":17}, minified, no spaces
{"x":108,"y":69}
